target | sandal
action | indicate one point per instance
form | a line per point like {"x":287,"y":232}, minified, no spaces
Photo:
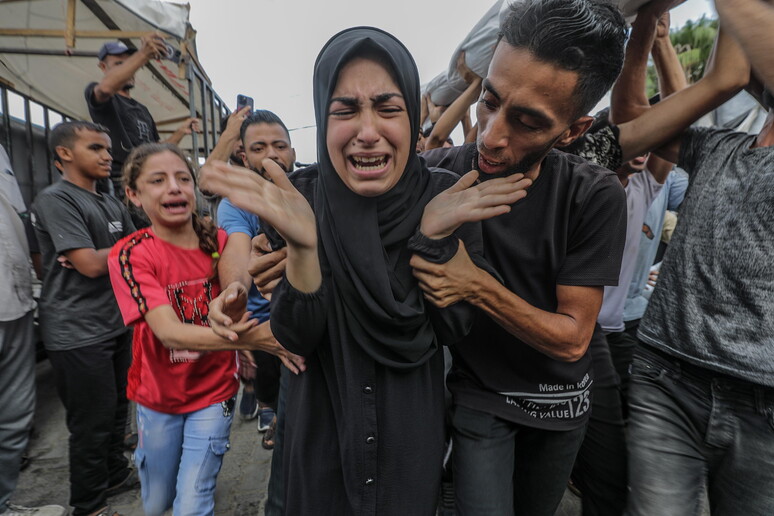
{"x":268,"y":438}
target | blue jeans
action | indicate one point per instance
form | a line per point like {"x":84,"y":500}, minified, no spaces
{"x":503,"y":468}
{"x":691,"y":429}
{"x":179,"y":457}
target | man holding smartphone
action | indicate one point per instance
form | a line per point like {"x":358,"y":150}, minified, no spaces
{"x":111,"y":104}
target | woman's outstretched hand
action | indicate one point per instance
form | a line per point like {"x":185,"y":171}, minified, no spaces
{"x":274,"y":199}
{"x":466,"y":201}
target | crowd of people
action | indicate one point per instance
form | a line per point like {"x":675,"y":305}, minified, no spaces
{"x":419,"y":327}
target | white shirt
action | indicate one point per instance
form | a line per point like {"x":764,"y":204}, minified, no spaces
{"x":15,"y":265}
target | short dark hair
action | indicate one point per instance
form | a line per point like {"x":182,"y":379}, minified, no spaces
{"x":584,"y":36}
{"x":223,"y":124}
{"x":65,"y":134}
{"x":261,"y":116}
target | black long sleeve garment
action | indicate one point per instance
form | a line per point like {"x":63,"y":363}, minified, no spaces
{"x":361,"y":437}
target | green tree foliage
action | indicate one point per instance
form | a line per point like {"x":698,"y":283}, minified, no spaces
{"x":693,"y":43}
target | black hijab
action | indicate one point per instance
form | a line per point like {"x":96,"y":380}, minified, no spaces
{"x":364,"y":239}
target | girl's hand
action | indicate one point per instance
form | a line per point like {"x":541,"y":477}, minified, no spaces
{"x":470,"y":202}
{"x":228,"y":315}
{"x":274,"y":199}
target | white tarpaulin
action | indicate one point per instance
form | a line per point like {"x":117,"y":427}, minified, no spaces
{"x":629,"y":8}
{"x":58,"y":80}
{"x":479,"y":47}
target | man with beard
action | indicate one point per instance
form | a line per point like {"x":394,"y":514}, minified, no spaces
{"x":521,"y":380}
{"x":111,"y":104}
{"x":263,"y":135}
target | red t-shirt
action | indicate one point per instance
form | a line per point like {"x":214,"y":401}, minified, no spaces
{"x":147,"y":272}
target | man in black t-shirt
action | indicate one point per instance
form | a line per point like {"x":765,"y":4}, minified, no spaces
{"x":111,"y":104}
{"x":521,"y":380}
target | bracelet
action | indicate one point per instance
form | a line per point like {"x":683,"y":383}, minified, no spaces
{"x":434,"y":250}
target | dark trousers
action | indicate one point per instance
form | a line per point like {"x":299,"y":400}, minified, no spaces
{"x":275,"y":498}
{"x":622,"y":348}
{"x":91,"y":382}
{"x":17,"y":398}
{"x":692,"y":429}
{"x":267,"y":378}
{"x":503,"y":468}
{"x":600,"y":468}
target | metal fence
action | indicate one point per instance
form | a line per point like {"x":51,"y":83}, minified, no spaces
{"x":26,"y":124}
{"x":24,"y":132}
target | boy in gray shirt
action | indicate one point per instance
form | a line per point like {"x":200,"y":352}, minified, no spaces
{"x":85,"y":338}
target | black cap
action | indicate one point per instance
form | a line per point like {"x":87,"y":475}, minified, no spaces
{"x":114,"y":48}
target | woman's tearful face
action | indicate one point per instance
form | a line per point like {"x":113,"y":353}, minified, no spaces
{"x":368,"y":136}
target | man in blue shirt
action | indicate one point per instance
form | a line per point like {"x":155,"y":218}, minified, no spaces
{"x":670,"y":198}
{"x":263,"y":136}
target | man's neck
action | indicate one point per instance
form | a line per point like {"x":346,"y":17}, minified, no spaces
{"x":80,"y":180}
{"x":534,"y":172}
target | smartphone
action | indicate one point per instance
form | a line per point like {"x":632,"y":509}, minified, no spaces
{"x":244,"y":100}
{"x":171,"y":54}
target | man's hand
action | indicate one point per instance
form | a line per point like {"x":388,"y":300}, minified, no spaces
{"x":266,"y":266}
{"x":464,"y":70}
{"x":248,"y":368}
{"x":188,"y":126}
{"x":230,"y":135}
{"x":662,"y":28}
{"x":234,"y":123}
{"x":152,"y":46}
{"x":261,"y":338}
{"x":434,"y":112}
{"x":658,"y":7}
{"x":64,"y":262}
{"x":295,"y":363}
{"x":653,"y":278}
{"x":448,"y":283}
{"x":247,"y":365}
{"x":228,"y":315}
{"x":464,"y":202}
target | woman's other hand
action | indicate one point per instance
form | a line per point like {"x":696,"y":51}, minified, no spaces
{"x":467,"y":201}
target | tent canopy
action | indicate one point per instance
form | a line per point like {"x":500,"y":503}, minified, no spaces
{"x":48,"y":52}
